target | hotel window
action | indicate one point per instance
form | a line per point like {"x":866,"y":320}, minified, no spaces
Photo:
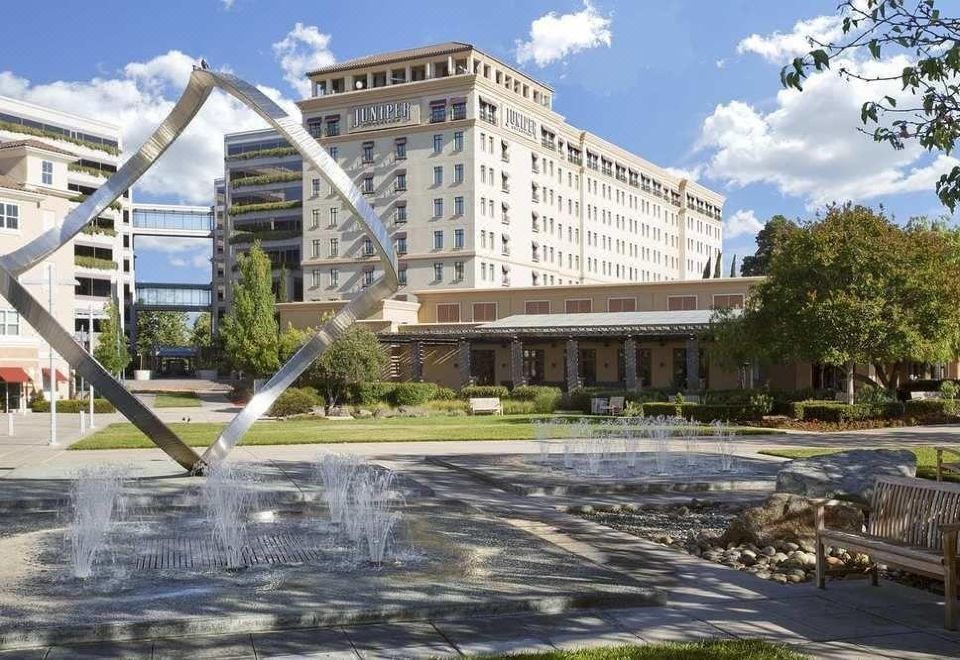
{"x":316,"y":248}
{"x":483,"y":238}
{"x":438,"y":239}
{"x":315,"y":187}
{"x":367,"y":186}
{"x":402,"y":276}
{"x":315,"y":273}
{"x":681,"y":303}
{"x":458,"y":111}
{"x":334,"y":277}
{"x":438,"y":277}
{"x":333,"y":126}
{"x":46,"y":174}
{"x":458,"y":173}
{"x":333,"y":217}
{"x":578,"y":306}
{"x":315,"y":127}
{"x":448,"y":313}
{"x":367,"y":278}
{"x":458,"y":239}
{"x":401,"y":183}
{"x":488,"y":111}
{"x":9,"y":323}
{"x":485,"y":311}
{"x":437,"y":207}
{"x":536,"y":307}
{"x":505,"y":213}
{"x":437,"y":143}
{"x":401,"y":214}
{"x":367,"y":153}
{"x":490,"y":207}
{"x":621,"y":304}
{"x":334,"y":247}
{"x":458,"y":271}
{"x":9,"y":216}
{"x":458,"y":141}
{"x":438,"y":175}
{"x":401,"y":243}
{"x":458,"y":205}
{"x":727,"y":301}
{"x":400,"y":148}
{"x":315,"y":217}
{"x":334,"y":152}
{"x":367,"y":247}
{"x":505,"y":245}
{"x":438,"y":111}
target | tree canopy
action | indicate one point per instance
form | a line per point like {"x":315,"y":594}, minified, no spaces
{"x":853,"y":287}
{"x":202,"y":334}
{"x":111,"y":349}
{"x":161,"y":329}
{"x":930,"y":41}
{"x":249,"y":330}
{"x":772,"y":235}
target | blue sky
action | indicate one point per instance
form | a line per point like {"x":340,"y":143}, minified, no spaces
{"x":687,"y":84}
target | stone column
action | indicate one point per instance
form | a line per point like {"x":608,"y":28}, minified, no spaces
{"x":630,"y":362}
{"x":693,"y":364}
{"x":516,"y":363}
{"x":463,"y":358}
{"x":573,"y":365}
{"x":417,"y":360}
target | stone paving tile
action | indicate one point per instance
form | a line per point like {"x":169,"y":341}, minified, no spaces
{"x":906,"y":646}
{"x":834,"y":651}
{"x":492,"y":634}
{"x":579,"y":630}
{"x":664,"y":624}
{"x":220,"y":646}
{"x":331,"y":643}
{"x":399,"y":640}
{"x":25,"y":654}
{"x":135,"y":650}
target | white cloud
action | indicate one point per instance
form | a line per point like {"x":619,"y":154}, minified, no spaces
{"x":303,"y":49}
{"x":201,"y":260}
{"x":780,"y":47}
{"x":554,"y":36}
{"x":808,"y":145}
{"x":741,"y":223}
{"x":227,"y":4}
{"x":692,"y":173}
{"x":137,"y":99}
{"x":172,"y":244}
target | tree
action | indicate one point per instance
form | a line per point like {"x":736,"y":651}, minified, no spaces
{"x":202,"y":335}
{"x":777,"y":229}
{"x":930,"y":42}
{"x":718,"y":266}
{"x":354,"y":357}
{"x":160,"y":329}
{"x":852,"y":288}
{"x":733,"y":267}
{"x":249,"y":331}
{"x":707,"y":269}
{"x":111,"y":350}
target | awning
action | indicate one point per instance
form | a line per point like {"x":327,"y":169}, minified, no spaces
{"x":13,"y":375}
{"x":60,"y":377}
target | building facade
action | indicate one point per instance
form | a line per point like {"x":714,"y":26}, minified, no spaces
{"x":482,"y":184}
{"x":49,"y":162}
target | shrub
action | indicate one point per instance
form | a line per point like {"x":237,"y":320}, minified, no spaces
{"x":531,"y":392}
{"x":548,"y":400}
{"x":580,"y":398}
{"x":484,"y":392}
{"x":367,"y":394}
{"x":72,"y":405}
{"x":444,"y":394}
{"x":295,"y":401}
{"x":728,"y":412}
{"x":455,"y":407}
{"x":871,"y":394}
{"x":949,"y":389}
{"x":512,"y":407}
{"x":833,"y":411}
{"x":413,"y":394}
{"x":930,"y":408}
{"x":670,"y":409}
{"x":240,"y":395}
{"x":761,"y":400}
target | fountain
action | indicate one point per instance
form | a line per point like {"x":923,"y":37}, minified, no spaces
{"x":723,"y":435}
{"x":228,"y":495}
{"x":337,"y":473}
{"x":96,"y":503}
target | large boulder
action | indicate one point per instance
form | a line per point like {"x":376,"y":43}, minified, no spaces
{"x":846,"y":473}
{"x":787,"y":517}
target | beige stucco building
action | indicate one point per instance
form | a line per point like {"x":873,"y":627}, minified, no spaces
{"x":482,"y":184}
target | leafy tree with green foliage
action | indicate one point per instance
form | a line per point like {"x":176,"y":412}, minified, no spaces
{"x":931,"y":43}
{"x":852,"y":288}
{"x":111,"y":350}
{"x":202,"y":334}
{"x":733,"y":267}
{"x":356,"y":356}
{"x":772,"y":235}
{"x":249,"y":330}
{"x":160,"y":329}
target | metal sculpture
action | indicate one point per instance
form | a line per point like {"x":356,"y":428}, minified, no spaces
{"x":202,"y":82}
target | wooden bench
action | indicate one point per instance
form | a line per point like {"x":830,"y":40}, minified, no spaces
{"x":910,"y":523}
{"x":947,"y":466}
{"x":486,"y":405}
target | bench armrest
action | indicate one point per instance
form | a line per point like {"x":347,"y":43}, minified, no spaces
{"x":950,"y":528}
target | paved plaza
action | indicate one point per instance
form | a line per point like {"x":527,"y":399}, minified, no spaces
{"x":850,"y":619}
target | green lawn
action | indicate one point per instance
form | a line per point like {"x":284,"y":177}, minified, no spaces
{"x":176,"y":400}
{"x":736,"y":649}
{"x":926,"y":458}
{"x":318,"y":430}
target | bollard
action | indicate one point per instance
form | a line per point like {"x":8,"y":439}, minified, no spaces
{"x":10,"y":424}
{"x":83,"y":422}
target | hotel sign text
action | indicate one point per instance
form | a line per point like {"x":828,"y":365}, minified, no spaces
{"x":519,"y":123}
{"x":383,"y":115}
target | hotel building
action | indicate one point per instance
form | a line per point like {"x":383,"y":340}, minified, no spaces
{"x":49,"y":161}
{"x":483,"y":184}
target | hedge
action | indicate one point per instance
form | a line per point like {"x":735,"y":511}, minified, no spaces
{"x":531,"y":392}
{"x":295,"y":401}
{"x":240,"y":209}
{"x":367,"y":394}
{"x":930,"y":408}
{"x":484,"y":392}
{"x":667,"y":408}
{"x":413,"y":394}
{"x":580,"y":398}
{"x":834,"y":411}
{"x":73,"y":406}
{"x":728,"y":412}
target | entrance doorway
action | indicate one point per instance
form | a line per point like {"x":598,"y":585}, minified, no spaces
{"x":483,"y":367}
{"x":588,"y":366}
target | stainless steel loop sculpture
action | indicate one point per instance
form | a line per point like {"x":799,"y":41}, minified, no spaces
{"x":202,"y":82}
